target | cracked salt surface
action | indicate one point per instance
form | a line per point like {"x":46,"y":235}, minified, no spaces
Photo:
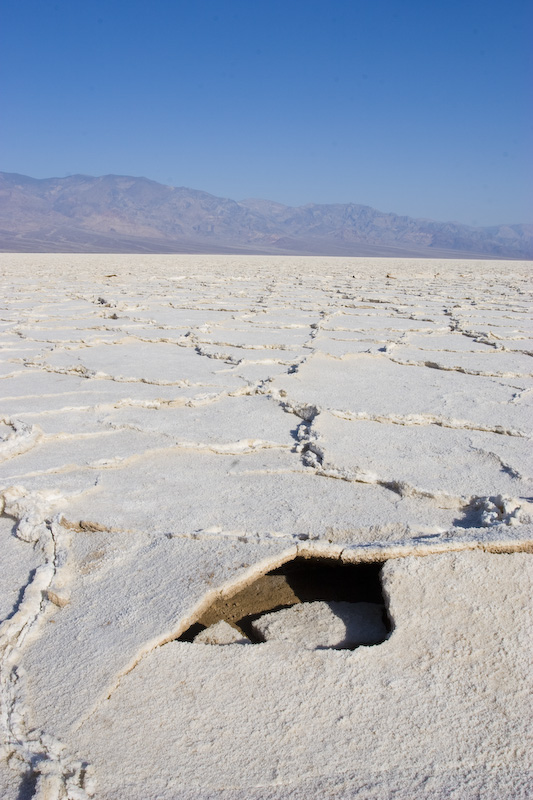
{"x":174,"y":431}
{"x":313,"y":602}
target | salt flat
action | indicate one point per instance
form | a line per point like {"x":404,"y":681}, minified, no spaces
{"x":188,"y":439}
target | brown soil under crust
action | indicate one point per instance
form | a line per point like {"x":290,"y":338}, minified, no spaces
{"x":298,"y":581}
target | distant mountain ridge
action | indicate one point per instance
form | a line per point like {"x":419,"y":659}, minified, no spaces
{"x":116,"y":213}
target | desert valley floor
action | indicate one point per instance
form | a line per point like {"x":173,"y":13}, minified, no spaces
{"x":267,"y":528}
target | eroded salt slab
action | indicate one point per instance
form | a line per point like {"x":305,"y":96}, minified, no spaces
{"x":221,"y":633}
{"x":324,"y":624}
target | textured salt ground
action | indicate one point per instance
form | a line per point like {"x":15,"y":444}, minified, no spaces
{"x":350,"y":385}
{"x":31,"y":392}
{"x":75,"y":451}
{"x":146,"y":481}
{"x":152,"y":362}
{"x":251,"y":337}
{"x":431,"y":458}
{"x":253,"y":355}
{"x":454,"y":342}
{"x":338,"y":347}
{"x":18,"y":562}
{"x":264,"y":493}
{"x":491,"y":363}
{"x":422,"y":701}
{"x":127,"y":599}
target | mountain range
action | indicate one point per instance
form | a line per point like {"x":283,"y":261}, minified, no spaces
{"x":123,"y":214}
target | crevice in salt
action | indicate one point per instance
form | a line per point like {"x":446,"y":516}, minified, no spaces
{"x":28,"y":786}
{"x":38,"y":757}
{"x":302,"y":580}
{"x":405,"y":362}
{"x":427,"y":419}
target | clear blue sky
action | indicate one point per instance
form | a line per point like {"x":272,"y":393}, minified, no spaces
{"x":423,"y":107}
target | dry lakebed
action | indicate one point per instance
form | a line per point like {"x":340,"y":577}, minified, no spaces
{"x":266,"y":529}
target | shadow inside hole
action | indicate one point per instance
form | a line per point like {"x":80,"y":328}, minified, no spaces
{"x":28,"y":786}
{"x":301,"y":580}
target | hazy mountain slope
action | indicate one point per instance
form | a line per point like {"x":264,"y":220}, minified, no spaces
{"x":121,"y":213}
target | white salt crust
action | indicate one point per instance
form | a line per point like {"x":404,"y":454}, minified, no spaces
{"x":171,"y":428}
{"x":220,"y":633}
{"x":323,"y":624}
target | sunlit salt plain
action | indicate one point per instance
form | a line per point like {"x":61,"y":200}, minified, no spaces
{"x":172,"y":429}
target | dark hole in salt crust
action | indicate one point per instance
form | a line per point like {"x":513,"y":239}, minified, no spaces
{"x":28,"y":786}
{"x":298,"y":581}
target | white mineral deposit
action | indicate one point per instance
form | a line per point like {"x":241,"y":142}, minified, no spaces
{"x":321,"y":624}
{"x":266,"y":528}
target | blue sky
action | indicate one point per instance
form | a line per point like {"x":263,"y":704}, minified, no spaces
{"x":418,"y":107}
